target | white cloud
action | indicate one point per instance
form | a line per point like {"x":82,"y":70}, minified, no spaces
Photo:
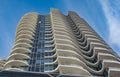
{"x":112,"y":13}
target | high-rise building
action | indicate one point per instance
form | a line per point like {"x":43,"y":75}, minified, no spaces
{"x":58,"y":44}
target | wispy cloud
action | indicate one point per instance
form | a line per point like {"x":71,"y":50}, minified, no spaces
{"x":111,"y":10}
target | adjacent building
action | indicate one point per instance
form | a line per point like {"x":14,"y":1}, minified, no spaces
{"x":2,"y":62}
{"x":57,"y":44}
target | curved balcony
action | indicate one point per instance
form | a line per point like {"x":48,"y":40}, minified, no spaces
{"x":26,"y":18}
{"x":20,"y":50}
{"x":24,"y":32}
{"x":31,"y":20}
{"x":66,"y":69}
{"x":14,"y":69}
{"x":18,"y":56}
{"x":87,"y":67}
{"x":105,"y":65}
{"x":26,"y":27}
{"x":16,"y":63}
{"x":1,"y":64}
{"x":88,"y":40}
{"x":24,"y":45}
{"x":113,"y":72}
{"x":70,"y":60}
{"x":23,"y":40}
{"x":95,"y":51}
{"x":2,"y":61}
{"x":24,"y":36}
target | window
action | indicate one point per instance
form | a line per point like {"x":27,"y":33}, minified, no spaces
{"x":48,"y":67}
{"x":48,"y":60}
{"x":38,"y":62}
{"x":48,"y":48}
{"x":39,"y":50}
{"x":49,"y":53}
{"x":42,"y":35}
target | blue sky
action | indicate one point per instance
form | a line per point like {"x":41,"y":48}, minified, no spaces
{"x":102,"y":15}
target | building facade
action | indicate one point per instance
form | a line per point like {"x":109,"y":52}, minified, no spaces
{"x":2,"y":62}
{"x":60,"y":44}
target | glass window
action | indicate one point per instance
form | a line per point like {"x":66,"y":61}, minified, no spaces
{"x":48,"y":60}
{"x":48,"y":48}
{"x":38,"y":62}
{"x":41,"y":36}
{"x":48,"y":67}
{"x":39,"y":50}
